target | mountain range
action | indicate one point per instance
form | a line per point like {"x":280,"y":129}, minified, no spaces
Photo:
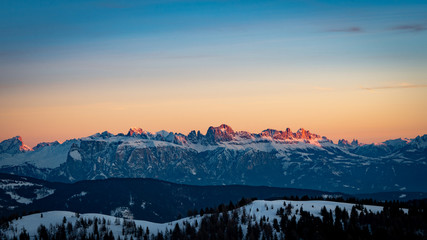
{"x":223,"y":156}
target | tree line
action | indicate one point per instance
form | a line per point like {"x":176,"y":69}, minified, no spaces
{"x":232,"y":222}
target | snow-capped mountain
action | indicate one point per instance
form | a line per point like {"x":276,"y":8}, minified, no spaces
{"x":14,"y":145}
{"x":224,"y":156}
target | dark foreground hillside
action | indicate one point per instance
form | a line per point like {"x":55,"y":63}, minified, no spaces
{"x":145,"y":199}
{"x":256,"y":220}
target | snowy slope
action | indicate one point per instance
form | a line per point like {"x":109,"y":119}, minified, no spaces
{"x":257,"y":208}
{"x":46,"y":157}
{"x":21,"y":192}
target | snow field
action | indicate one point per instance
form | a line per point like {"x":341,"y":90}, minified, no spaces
{"x":256,"y":210}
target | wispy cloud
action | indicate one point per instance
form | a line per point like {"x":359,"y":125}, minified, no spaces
{"x":410,"y":27}
{"x":402,"y":86}
{"x":349,"y":29}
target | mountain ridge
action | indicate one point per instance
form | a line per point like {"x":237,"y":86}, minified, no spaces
{"x":224,"y":156}
{"x":213,"y":134}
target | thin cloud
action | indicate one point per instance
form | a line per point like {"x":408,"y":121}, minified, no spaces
{"x":410,"y":28}
{"x":401,"y":86}
{"x":350,"y":29}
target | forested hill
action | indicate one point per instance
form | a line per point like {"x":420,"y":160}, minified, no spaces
{"x":146,"y":199}
{"x":269,"y":220}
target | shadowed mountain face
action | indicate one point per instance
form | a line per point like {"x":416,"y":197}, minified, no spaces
{"x":224,"y":156}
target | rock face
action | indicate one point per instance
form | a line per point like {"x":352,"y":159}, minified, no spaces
{"x":13,"y":145}
{"x":224,"y":156}
{"x":45,"y":144}
{"x":343,"y":142}
{"x":222,"y":133}
{"x":137,"y":132}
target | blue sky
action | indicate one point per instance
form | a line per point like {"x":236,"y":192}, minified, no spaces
{"x":31,"y":27}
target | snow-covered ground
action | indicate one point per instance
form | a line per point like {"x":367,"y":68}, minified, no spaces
{"x":11,"y":186}
{"x":257,"y":209}
{"x":269,"y":208}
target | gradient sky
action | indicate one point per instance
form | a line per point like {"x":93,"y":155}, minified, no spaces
{"x":342,"y":69}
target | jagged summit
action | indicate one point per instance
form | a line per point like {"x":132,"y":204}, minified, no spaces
{"x":305,"y":134}
{"x":136,"y":132}
{"x":221,"y":133}
{"x":355,"y":142}
{"x":278,"y":135}
{"x":288,"y":134}
{"x":225,"y":133}
{"x":104,"y":135}
{"x":343,"y":142}
{"x":346,"y":143}
{"x":271,"y":133}
{"x":223,"y":136}
{"x":14,"y":145}
{"x":225,"y":156}
{"x":45,"y":144}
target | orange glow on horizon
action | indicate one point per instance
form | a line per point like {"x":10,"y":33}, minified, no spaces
{"x":61,"y":112}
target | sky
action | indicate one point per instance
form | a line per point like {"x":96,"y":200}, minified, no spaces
{"x":341,"y":69}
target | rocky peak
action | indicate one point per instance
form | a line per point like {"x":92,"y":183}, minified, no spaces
{"x":346,"y":143}
{"x":196,"y":137}
{"x":135,"y":132}
{"x":103,"y":135}
{"x":268,"y":133}
{"x":305,"y":134}
{"x":106,"y":134}
{"x":14,"y":145}
{"x":165,"y":136}
{"x":302,"y":133}
{"x":244,"y":134}
{"x":192,"y":136}
{"x":179,"y":139}
{"x":420,"y":141}
{"x":288,"y":134}
{"x":225,"y":128}
{"x":221,"y":133}
{"x":355,"y":143}
{"x":343,"y":142}
{"x":277,"y":135}
{"x":45,"y":144}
